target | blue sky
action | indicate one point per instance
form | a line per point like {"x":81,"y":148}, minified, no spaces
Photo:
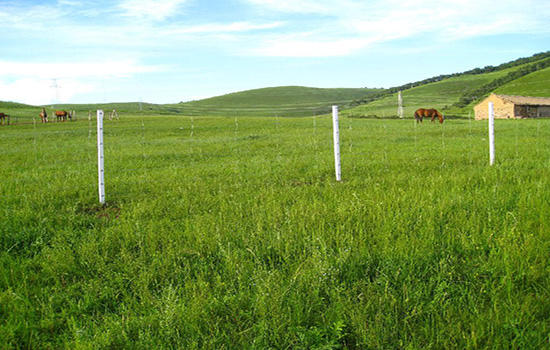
{"x":180,"y":50}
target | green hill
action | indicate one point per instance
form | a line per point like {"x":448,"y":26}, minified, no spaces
{"x":281,"y":101}
{"x":455,"y":95}
{"x":287,"y":101}
{"x":536,"y":84}
{"x":441,"y":95}
{"x":13,"y":105}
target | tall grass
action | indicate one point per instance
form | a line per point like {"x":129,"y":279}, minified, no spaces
{"x":232,"y":233}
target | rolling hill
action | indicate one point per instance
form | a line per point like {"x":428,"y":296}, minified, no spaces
{"x":285,"y":101}
{"x":281,"y":101}
{"x":457,"y":94}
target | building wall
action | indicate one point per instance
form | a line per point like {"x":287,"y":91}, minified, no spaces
{"x":544,"y":112}
{"x":502,"y":109}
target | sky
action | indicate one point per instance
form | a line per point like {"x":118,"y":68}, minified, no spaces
{"x":95,"y":51}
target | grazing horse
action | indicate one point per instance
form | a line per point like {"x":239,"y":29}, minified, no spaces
{"x":44,"y":116}
{"x":3,"y":118}
{"x":62,"y":115}
{"x":428,"y":113}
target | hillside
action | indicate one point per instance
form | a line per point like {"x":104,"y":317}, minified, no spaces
{"x":441,"y":95}
{"x":455,"y":95}
{"x":281,"y":101}
{"x":287,"y":101}
{"x":13,"y":105}
{"x":535,"y":84}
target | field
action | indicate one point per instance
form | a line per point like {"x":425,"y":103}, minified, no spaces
{"x":231,"y":233}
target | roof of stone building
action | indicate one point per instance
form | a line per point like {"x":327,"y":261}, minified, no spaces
{"x":526,"y":100}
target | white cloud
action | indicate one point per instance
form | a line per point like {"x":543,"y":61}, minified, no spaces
{"x":150,"y":9}
{"x":31,"y":83}
{"x":285,"y":47}
{"x":120,"y":68}
{"x":38,"y":91}
{"x":349,"y":26}
{"x":299,"y":6}
{"x":221,"y":28}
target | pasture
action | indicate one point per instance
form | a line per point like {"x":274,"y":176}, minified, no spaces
{"x":231,"y":233}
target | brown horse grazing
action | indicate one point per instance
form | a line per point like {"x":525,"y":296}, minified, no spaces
{"x":44,"y":116}
{"x":3,"y":118}
{"x":62,"y":115}
{"x":428,"y":113}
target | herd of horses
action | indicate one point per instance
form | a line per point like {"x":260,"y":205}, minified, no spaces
{"x":60,"y":115}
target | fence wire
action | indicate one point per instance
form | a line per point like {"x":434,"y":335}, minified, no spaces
{"x":142,"y":151}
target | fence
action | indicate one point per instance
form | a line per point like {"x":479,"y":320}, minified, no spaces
{"x":142,"y":152}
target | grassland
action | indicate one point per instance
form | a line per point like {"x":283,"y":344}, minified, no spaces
{"x":231,"y":233}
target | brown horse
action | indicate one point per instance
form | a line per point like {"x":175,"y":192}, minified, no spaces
{"x":4,"y":117}
{"x":44,"y":116}
{"x":62,"y":115}
{"x":428,"y":113}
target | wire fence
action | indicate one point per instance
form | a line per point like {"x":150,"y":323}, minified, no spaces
{"x":147,"y":151}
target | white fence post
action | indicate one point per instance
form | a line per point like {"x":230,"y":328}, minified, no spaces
{"x":100,"y":162}
{"x":491,"y":134}
{"x":336,"y":133}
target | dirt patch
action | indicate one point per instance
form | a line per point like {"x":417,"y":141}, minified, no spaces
{"x":109,"y":211}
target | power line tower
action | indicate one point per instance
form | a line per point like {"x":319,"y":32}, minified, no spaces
{"x":55,"y":92}
{"x":400,"y":105}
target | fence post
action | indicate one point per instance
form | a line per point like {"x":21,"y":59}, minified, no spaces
{"x":336,"y":134}
{"x":491,"y":134}
{"x":100,"y":160}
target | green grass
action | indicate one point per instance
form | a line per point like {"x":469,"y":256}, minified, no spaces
{"x":232,"y":233}
{"x":534,"y":84}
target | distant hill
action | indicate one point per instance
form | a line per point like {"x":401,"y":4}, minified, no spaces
{"x":13,"y":105}
{"x":280,"y":101}
{"x":291,"y":101}
{"x":456,"y":94}
{"x":284,"y":101}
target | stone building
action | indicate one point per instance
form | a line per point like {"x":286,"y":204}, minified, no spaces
{"x":506,"y":106}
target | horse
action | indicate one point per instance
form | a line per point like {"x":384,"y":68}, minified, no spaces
{"x":62,"y":115}
{"x":44,"y":116}
{"x":3,"y":117}
{"x":428,"y":113}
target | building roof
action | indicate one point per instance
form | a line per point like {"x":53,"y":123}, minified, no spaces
{"x":526,"y":100}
